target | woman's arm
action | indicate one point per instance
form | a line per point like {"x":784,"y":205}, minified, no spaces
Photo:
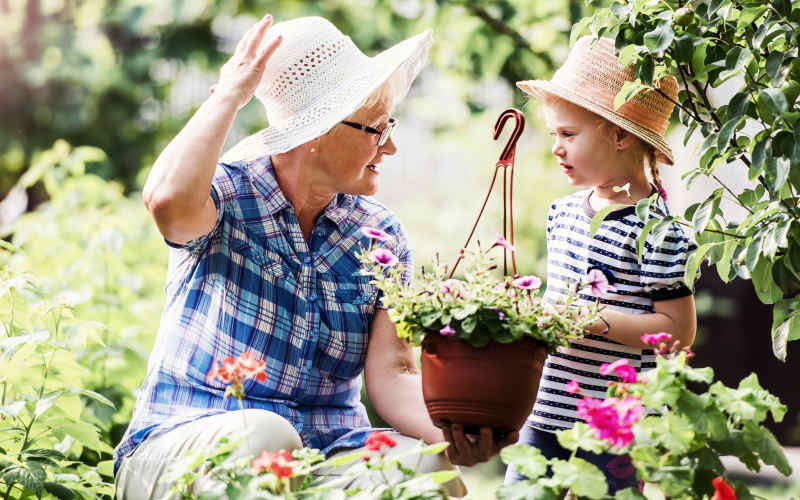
{"x":394,"y":387}
{"x":674,"y":316}
{"x":177,"y":190}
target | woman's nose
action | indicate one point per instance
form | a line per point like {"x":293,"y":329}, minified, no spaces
{"x":389,"y":148}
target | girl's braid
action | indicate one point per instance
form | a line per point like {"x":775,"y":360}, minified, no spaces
{"x":651,"y":160}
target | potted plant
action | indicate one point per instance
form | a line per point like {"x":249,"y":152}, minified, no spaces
{"x":484,"y":336}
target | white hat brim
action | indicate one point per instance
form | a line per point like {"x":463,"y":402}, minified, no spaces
{"x":538,"y":88}
{"x":343,"y":100}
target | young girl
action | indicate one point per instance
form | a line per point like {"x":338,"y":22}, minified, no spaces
{"x":598,"y":148}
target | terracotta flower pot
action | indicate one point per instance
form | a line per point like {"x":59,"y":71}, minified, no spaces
{"x":493,"y":386}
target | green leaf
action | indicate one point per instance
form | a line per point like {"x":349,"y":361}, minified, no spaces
{"x":526,"y":490}
{"x":580,"y":436}
{"x":705,"y":211}
{"x":763,"y":442}
{"x":761,"y":150}
{"x":737,"y":106}
{"x":583,"y":478}
{"x":92,"y":395}
{"x":442,"y":476}
{"x":767,"y":290}
{"x":724,"y":263}
{"x":782,"y":333}
{"x":84,"y":433}
{"x":773,"y":101}
{"x":340,"y":460}
{"x":693,"y":263}
{"x":629,"y":494}
{"x":528,"y":460}
{"x":13,"y":408}
{"x":45,"y":403}
{"x":726,"y":132}
{"x":628,"y":91}
{"x":660,"y":38}
{"x":776,"y":173}
{"x":434,"y":448}
{"x":30,"y":476}
{"x":773,"y":64}
{"x":737,"y":58}
{"x":59,"y":491}
{"x":601,"y":215}
{"x":578,"y":29}
{"x":642,"y":238}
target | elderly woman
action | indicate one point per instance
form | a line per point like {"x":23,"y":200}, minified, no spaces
{"x":263,"y":260}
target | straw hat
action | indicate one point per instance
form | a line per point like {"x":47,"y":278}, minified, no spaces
{"x":316,"y":78}
{"x":591,"y":77}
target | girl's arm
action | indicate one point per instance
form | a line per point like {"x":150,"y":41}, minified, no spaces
{"x":674,"y":316}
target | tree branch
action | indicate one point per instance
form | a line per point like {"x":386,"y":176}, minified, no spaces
{"x":501,"y":26}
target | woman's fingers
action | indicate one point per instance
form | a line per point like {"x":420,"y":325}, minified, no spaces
{"x":264,"y":53}
{"x":486,"y":443}
{"x":254,"y":42}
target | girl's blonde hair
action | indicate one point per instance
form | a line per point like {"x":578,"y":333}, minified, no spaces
{"x":643,"y":151}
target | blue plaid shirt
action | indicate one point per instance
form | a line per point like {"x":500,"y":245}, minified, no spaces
{"x":254,"y":284}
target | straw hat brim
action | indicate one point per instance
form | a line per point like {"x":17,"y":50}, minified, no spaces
{"x":538,"y":88}
{"x":340,"y":102}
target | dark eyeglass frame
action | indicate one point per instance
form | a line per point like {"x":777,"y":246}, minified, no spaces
{"x":383,"y":134}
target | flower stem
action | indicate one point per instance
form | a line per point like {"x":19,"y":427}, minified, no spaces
{"x":244,"y":422}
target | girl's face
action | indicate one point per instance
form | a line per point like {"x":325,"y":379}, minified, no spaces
{"x":584,"y":146}
{"x":350,"y":158}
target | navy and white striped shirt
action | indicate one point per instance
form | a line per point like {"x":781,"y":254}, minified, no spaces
{"x":571,"y":253}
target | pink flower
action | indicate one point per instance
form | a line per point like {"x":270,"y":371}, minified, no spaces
{"x":527,"y":282}
{"x":383,"y":257}
{"x":447,"y":331}
{"x":599,"y":283}
{"x":623,"y":370}
{"x":656,"y":338}
{"x":573,"y":387}
{"x":451,"y":286}
{"x":375,"y":234}
{"x":502,"y":242}
{"x":612,"y":418}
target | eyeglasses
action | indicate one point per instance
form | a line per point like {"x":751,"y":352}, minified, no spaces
{"x":384,"y":134}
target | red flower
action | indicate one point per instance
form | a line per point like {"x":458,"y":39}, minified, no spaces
{"x":278,"y":463}
{"x":722,"y":490}
{"x":378,"y":439}
{"x":236,"y":370}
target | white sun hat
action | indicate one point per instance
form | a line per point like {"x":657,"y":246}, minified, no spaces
{"x":318,"y":77}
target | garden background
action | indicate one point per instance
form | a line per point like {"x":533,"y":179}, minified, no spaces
{"x":91,"y":91}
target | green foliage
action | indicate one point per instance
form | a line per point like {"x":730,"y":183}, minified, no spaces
{"x":575,"y":474}
{"x":704,"y":44}
{"x":677,"y":446}
{"x":75,"y":297}
{"x":479,"y":309}
{"x":306,"y":476}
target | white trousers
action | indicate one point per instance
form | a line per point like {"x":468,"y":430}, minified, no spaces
{"x":142,"y":475}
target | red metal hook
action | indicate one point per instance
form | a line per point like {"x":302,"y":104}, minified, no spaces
{"x":507,"y":156}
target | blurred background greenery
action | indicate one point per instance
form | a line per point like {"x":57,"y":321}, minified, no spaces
{"x":123,"y":76}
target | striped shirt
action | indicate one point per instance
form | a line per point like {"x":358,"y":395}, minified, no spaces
{"x":254,"y":284}
{"x":571,"y":253}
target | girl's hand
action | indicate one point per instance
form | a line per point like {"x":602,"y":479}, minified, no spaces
{"x":468,"y":450}
{"x":240,"y":76}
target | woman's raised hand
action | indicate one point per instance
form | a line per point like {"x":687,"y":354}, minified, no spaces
{"x":240,"y":76}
